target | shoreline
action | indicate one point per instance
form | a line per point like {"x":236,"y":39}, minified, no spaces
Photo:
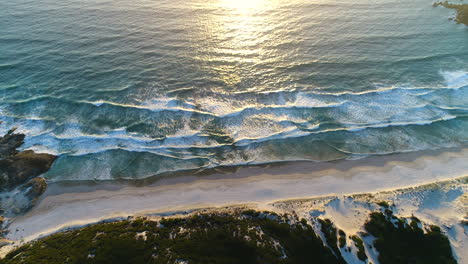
{"x":349,"y":214}
{"x":65,"y":206}
{"x":272,"y":170}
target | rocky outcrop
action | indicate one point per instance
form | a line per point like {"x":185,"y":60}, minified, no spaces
{"x":17,"y":168}
{"x":34,"y":188}
{"x":9,"y":143}
{"x":462,"y":11}
{"x":22,"y":167}
{"x":20,"y":186}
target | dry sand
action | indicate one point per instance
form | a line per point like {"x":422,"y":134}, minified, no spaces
{"x":71,"y":205}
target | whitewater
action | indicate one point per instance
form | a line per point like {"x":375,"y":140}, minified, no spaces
{"x":141,"y":89}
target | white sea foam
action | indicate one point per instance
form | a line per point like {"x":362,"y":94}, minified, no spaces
{"x":455,"y":79}
{"x":263,"y":186}
{"x":246,"y":126}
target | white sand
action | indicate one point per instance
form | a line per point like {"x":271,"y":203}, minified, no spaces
{"x":444,"y":204}
{"x":63,"y":206}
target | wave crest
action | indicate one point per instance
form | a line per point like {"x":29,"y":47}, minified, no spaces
{"x":210,"y":129}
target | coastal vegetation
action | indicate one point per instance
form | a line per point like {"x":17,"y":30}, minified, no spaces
{"x":295,"y":106}
{"x":400,"y":240}
{"x":342,"y":238}
{"x":462,"y":11}
{"x":330,"y":234}
{"x":361,"y":254}
{"x":249,"y":237}
{"x":235,"y":236}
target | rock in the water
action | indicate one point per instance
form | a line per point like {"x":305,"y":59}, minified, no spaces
{"x":22,"y":167}
{"x":17,"y":168}
{"x":9,"y":143}
{"x":19,"y":185}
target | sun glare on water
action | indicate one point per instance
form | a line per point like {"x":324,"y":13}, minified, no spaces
{"x":243,"y":6}
{"x":241,"y":29}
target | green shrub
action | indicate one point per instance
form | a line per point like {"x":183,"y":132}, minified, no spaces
{"x":405,"y":243}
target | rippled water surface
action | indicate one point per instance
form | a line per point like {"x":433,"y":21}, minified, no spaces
{"x":131,"y":89}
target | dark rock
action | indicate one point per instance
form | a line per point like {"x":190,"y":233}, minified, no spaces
{"x":22,"y":167}
{"x":17,"y":168}
{"x":18,"y":173}
{"x":2,"y":226}
{"x":23,"y":197}
{"x":9,"y":143}
{"x":35,"y":188}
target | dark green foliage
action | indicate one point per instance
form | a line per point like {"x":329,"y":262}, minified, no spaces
{"x":329,"y":231}
{"x":361,"y":254}
{"x":299,"y":241}
{"x":407,"y":243}
{"x":247,"y":237}
{"x":251,"y":213}
{"x":388,"y":212}
{"x":202,"y":238}
{"x":414,"y":218}
{"x":342,"y":238}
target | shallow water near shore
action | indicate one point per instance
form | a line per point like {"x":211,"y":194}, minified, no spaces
{"x":65,"y":205}
{"x":134,"y":89}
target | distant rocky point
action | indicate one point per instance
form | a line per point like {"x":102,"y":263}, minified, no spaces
{"x":462,"y":11}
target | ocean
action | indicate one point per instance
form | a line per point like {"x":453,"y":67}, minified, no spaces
{"x":124,"y":89}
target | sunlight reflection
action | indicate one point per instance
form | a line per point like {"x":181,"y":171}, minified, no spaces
{"x":243,"y":6}
{"x":240,"y":29}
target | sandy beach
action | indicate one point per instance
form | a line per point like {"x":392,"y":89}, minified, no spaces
{"x":71,"y":204}
{"x":233,"y":131}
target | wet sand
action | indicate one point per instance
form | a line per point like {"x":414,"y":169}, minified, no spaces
{"x":72,"y":204}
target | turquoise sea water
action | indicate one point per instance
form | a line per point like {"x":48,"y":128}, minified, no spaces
{"x":132,"y":89}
